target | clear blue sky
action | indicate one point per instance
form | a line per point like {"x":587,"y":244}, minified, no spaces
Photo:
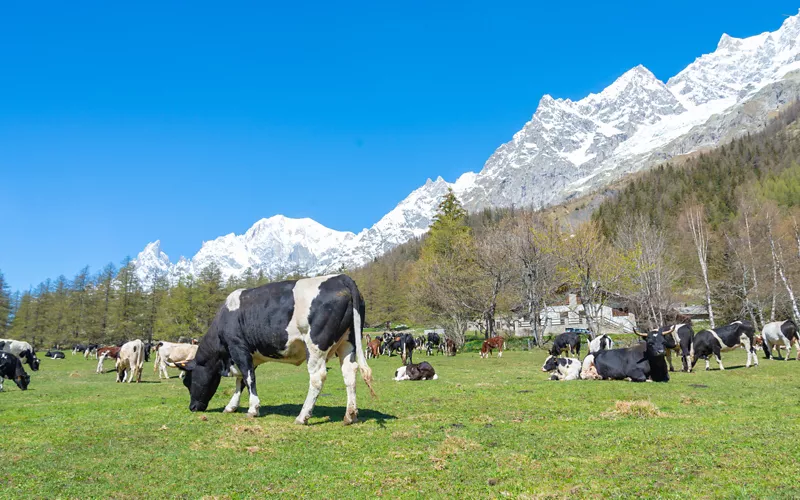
{"x":120,"y":125}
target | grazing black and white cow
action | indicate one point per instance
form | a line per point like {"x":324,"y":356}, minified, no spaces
{"x":562,"y":368}
{"x":679,"y":341}
{"x":23,"y":350}
{"x":638,"y":363}
{"x":11,"y":368}
{"x":404,"y":343}
{"x":54,"y":354}
{"x":422,"y":371}
{"x":722,"y":339}
{"x":600,"y":343}
{"x":433,"y":344}
{"x":780,"y":334}
{"x":78,"y":348}
{"x":308,"y":320}
{"x":569,"y":342}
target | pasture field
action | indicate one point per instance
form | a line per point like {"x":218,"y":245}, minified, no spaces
{"x":486,"y":428}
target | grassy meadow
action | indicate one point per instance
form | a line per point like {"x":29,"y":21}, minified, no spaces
{"x":486,"y":428}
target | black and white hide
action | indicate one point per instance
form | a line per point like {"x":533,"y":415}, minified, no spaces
{"x":11,"y":368}
{"x":562,"y":368}
{"x":780,"y":334}
{"x":422,"y":371}
{"x":308,"y":320}
{"x":23,"y":350}
{"x":723,"y":339}
{"x":679,"y":341}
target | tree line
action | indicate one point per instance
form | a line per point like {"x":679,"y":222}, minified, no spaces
{"x":721,"y":228}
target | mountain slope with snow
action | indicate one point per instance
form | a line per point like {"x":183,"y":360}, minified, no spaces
{"x":566,"y":149}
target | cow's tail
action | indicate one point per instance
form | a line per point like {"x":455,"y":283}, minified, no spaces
{"x":361,"y":359}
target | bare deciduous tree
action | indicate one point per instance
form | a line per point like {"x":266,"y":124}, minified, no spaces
{"x":695,"y":217}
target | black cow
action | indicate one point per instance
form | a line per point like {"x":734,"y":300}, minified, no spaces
{"x":722,"y":339}
{"x":638,"y":363}
{"x":11,"y":368}
{"x":569,"y":342}
{"x":54,"y":354}
{"x":679,"y":338}
{"x":307,"y":320}
{"x":422,"y":371}
{"x":79,"y":348}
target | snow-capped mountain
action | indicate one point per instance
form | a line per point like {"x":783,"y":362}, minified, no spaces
{"x":567,"y":148}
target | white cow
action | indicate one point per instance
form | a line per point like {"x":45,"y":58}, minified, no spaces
{"x":562,"y":368}
{"x":130,"y":361}
{"x":780,"y":334}
{"x":169,"y":353}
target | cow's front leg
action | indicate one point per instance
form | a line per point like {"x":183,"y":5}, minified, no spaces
{"x":317,"y":373}
{"x":347,"y":360}
{"x":233,"y":404}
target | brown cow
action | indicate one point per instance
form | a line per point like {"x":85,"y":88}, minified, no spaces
{"x":106,"y":352}
{"x":449,"y":347}
{"x":373,"y":349}
{"x":498,"y":343}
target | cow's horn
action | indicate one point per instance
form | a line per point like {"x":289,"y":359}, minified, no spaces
{"x":639,"y":334}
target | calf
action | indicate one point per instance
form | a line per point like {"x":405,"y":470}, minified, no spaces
{"x":130,"y":361}
{"x":566,"y":342}
{"x":638,"y":363}
{"x":23,"y":350}
{"x":103,"y":353}
{"x":722,"y":339}
{"x":449,"y":347}
{"x":679,"y":340}
{"x":498,"y":343}
{"x":308,"y":320}
{"x":562,"y":368}
{"x":169,"y":353}
{"x":54,"y":354}
{"x":777,"y":334}
{"x":422,"y":371}
{"x":599,"y":343}
{"x":11,"y":368}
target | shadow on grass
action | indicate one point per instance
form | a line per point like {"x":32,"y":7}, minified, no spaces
{"x":334,"y":413}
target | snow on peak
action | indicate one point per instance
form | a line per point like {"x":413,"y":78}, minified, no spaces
{"x":566,"y":147}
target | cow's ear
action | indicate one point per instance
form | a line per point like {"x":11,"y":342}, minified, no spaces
{"x":186,"y":366}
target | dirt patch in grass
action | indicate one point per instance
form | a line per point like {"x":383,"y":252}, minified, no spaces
{"x":74,"y":375}
{"x":692,"y":401}
{"x":450,"y":447}
{"x":633,"y":409}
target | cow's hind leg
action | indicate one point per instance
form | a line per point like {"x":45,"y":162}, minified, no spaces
{"x":718,"y":356}
{"x":317,"y":373}
{"x":233,"y":404}
{"x":347,"y":360}
{"x":669,"y":360}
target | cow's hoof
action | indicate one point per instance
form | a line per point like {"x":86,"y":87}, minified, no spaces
{"x":350,"y":419}
{"x":229,"y":410}
{"x":301,"y":421}
{"x":253,"y":413}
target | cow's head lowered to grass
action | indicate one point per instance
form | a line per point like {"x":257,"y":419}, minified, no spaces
{"x":202,"y":382}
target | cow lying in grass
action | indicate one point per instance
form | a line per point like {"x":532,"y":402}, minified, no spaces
{"x":639,"y":363}
{"x":562,"y":368}
{"x":422,"y":371}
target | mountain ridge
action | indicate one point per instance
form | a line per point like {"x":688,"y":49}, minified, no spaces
{"x":567,"y":148}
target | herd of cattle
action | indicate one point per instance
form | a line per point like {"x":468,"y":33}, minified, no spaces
{"x":651,"y":360}
{"x":313,"y":320}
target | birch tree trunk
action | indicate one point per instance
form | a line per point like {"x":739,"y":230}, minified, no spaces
{"x":777,"y":255}
{"x":696,"y":218}
{"x":759,"y":305}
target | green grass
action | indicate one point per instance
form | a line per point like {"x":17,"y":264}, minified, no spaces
{"x":486,"y":428}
